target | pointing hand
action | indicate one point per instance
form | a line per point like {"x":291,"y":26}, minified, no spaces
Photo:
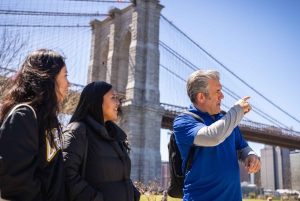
{"x":244,"y":104}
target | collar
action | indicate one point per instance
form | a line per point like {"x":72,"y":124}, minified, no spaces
{"x":102,"y":131}
{"x":192,"y":108}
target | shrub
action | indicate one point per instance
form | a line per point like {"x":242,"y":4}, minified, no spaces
{"x":252,"y":195}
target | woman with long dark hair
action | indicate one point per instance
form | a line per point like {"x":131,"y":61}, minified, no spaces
{"x":96,"y":149}
{"x":30,"y":133}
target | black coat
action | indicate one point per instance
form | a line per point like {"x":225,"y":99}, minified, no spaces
{"x":108,"y":166}
{"x":31,"y":169}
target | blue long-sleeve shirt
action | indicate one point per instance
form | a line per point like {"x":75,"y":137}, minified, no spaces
{"x":215,"y":171}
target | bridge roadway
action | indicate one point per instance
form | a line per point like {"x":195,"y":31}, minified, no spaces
{"x":252,"y":131}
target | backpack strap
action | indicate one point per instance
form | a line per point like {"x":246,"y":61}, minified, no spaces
{"x":85,"y":151}
{"x":194,"y":115}
{"x":19,"y":105}
{"x":190,"y":159}
{"x":84,"y":157}
{"x":16,"y":107}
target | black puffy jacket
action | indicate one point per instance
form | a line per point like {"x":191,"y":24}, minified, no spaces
{"x":108,"y":166}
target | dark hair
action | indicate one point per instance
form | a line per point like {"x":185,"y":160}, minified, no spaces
{"x":35,"y":84}
{"x":90,"y":103}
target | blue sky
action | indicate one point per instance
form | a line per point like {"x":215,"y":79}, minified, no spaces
{"x":257,"y":40}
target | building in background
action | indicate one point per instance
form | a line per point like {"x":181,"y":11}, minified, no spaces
{"x":165,"y":174}
{"x":275,"y":171}
{"x":295,"y":169}
{"x":244,"y":176}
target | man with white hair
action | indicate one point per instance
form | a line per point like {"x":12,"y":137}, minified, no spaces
{"x":214,"y":174}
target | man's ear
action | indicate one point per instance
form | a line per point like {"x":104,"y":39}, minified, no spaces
{"x":200,"y":97}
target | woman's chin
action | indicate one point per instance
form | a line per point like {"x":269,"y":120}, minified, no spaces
{"x":60,"y":100}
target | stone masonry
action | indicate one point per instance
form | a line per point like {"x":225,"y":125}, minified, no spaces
{"x":124,"y":52}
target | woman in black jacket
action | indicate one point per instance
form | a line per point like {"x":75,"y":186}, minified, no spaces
{"x":97,"y":165}
{"x":32,"y":162}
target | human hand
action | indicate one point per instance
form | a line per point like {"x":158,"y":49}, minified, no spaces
{"x":252,"y":163}
{"x":244,"y":104}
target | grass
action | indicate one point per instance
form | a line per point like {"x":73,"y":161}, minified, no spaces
{"x":252,"y":200}
{"x":274,"y":199}
{"x":158,"y":198}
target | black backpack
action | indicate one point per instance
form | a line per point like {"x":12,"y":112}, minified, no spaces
{"x":175,"y":164}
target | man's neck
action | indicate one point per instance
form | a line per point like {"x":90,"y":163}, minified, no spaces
{"x":199,"y":107}
{"x":202,"y":109}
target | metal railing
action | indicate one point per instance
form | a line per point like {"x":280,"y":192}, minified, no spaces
{"x":269,"y":129}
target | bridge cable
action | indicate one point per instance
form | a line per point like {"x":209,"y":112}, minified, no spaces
{"x":232,"y":94}
{"x":63,"y":14}
{"x":230,"y":70}
{"x":254,"y":109}
{"x":100,"y":1}
{"x":193,"y":67}
{"x":262,"y":114}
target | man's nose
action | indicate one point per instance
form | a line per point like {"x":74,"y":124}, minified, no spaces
{"x":221,"y":95}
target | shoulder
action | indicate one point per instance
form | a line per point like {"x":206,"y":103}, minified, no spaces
{"x":76,"y":126}
{"x":75,"y":130}
{"x":21,"y":113}
{"x":20,"y":124}
{"x":74,"y":137}
{"x":186,"y":125}
{"x":23,"y":109}
{"x":183,"y":120}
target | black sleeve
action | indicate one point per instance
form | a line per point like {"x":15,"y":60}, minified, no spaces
{"x":74,"y":139}
{"x":18,"y":148}
{"x":136,"y":193}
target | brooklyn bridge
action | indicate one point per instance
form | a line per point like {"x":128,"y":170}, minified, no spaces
{"x":145,"y":57}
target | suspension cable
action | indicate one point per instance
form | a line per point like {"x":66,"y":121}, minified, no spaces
{"x":229,"y":70}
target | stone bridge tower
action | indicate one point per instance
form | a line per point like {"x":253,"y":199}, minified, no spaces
{"x":124,"y":52}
